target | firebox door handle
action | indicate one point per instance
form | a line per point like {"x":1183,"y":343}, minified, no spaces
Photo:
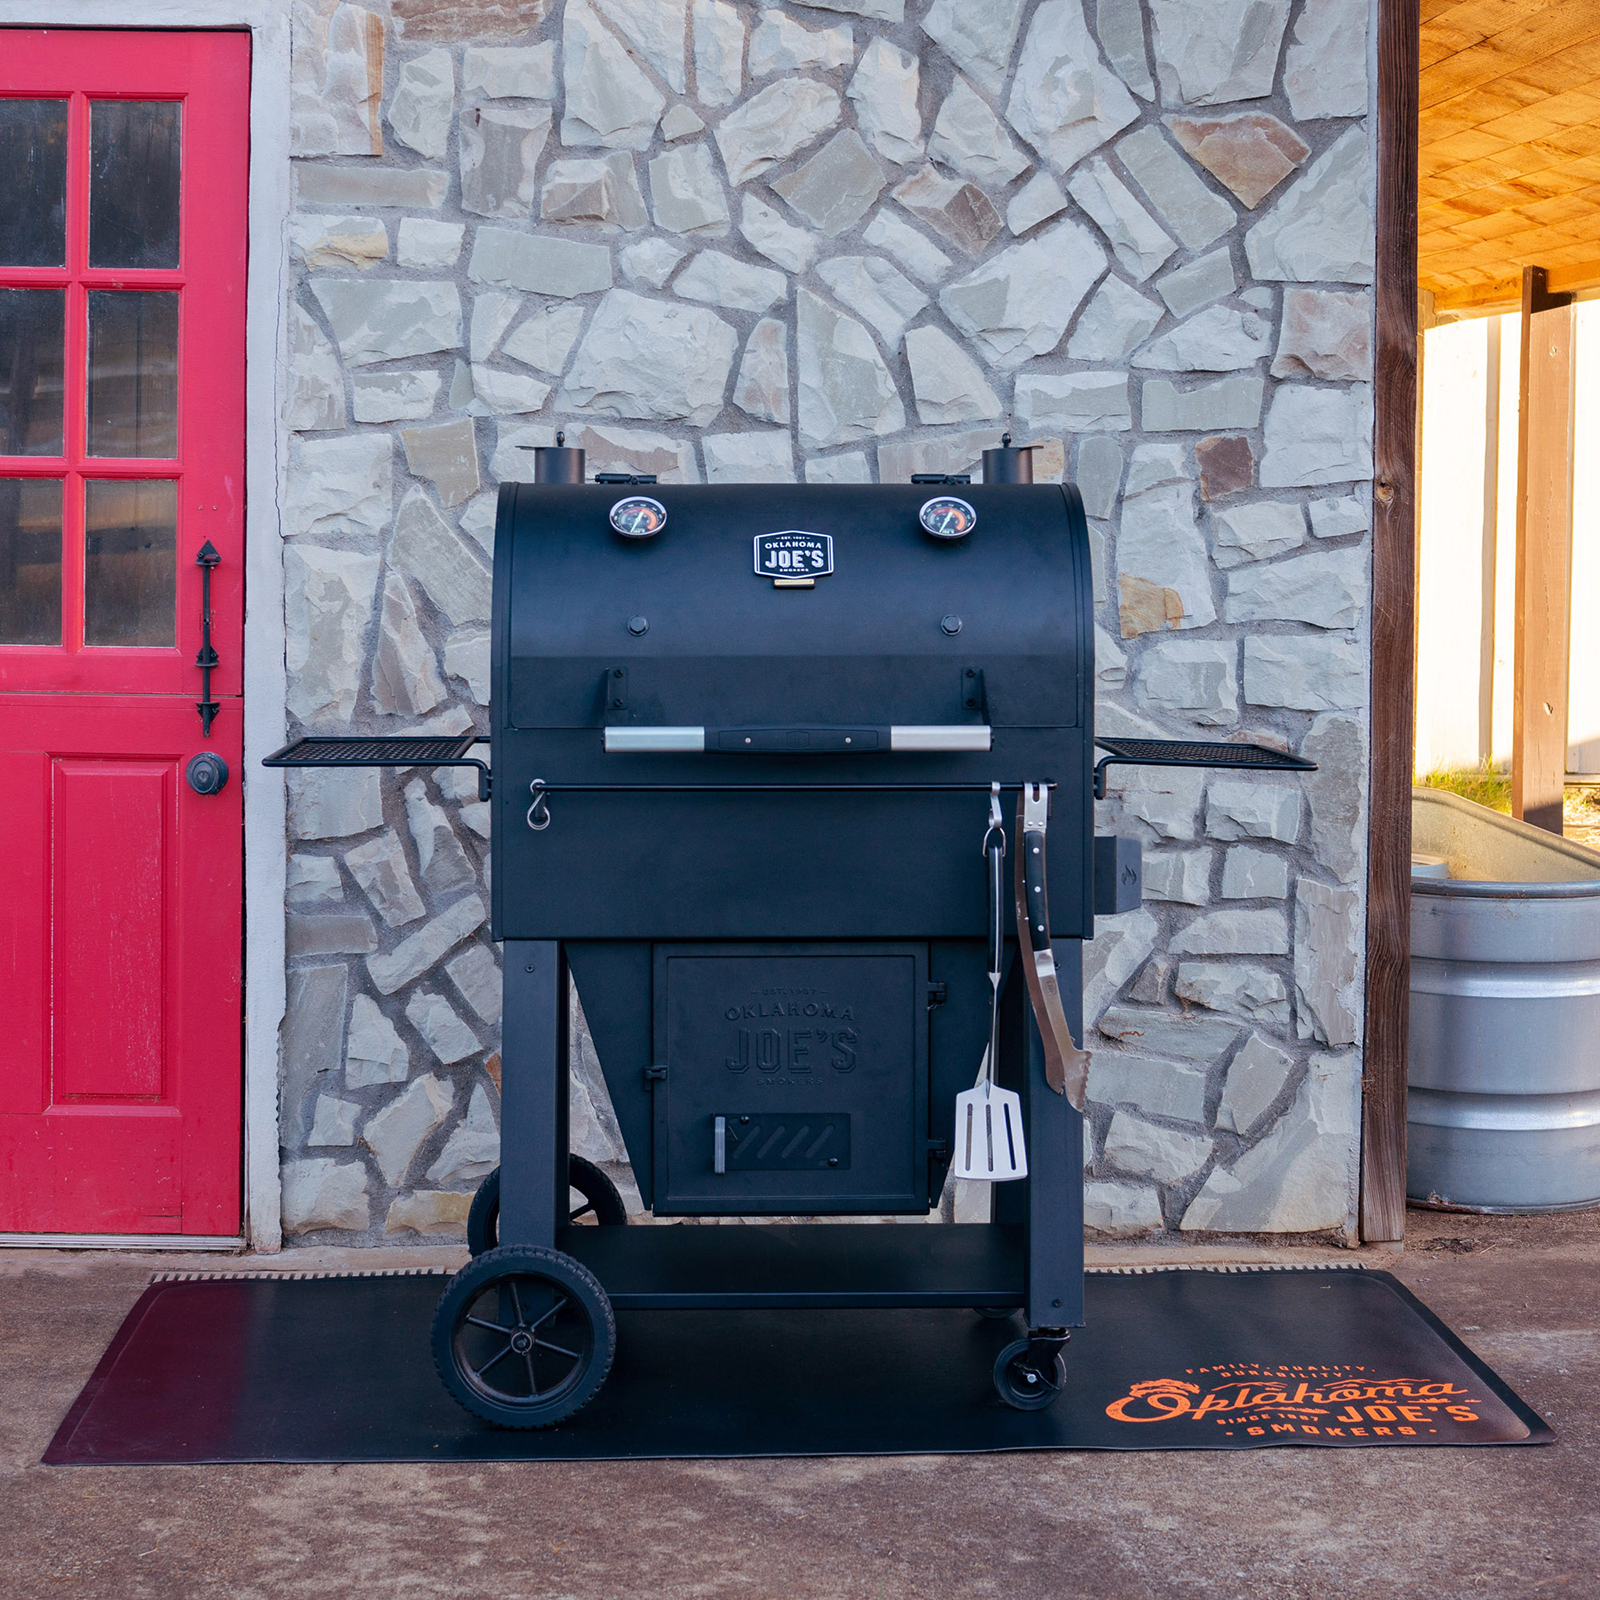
{"x":719,"y":1145}
{"x":809,"y":740}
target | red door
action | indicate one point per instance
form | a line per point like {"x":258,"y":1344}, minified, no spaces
{"x":123,"y":171}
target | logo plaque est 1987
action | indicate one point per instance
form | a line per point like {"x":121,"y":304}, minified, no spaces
{"x":793,"y":554}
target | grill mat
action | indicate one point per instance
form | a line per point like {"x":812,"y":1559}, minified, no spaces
{"x":309,"y":1368}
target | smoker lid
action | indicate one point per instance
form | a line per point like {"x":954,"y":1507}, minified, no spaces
{"x":889,"y":623}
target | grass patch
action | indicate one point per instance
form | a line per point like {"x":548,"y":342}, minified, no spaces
{"x":1485,"y":786}
{"x":1488,"y":786}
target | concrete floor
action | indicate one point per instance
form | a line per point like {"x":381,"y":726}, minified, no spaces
{"x":1525,"y":1292}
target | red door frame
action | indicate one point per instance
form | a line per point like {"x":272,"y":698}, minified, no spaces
{"x":161,"y":1152}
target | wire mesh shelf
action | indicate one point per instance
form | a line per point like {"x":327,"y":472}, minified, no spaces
{"x":392,"y":751}
{"x":1192,"y":753}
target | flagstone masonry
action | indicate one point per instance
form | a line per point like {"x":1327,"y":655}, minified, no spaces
{"x":724,"y":240}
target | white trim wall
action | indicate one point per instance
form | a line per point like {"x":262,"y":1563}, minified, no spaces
{"x":265,"y":454}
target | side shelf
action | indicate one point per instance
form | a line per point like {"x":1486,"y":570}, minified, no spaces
{"x":1192,"y":753}
{"x":384,"y":752}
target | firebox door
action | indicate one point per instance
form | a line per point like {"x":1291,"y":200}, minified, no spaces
{"x":790,"y":1079}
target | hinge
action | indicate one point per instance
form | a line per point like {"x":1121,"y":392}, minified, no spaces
{"x":973,"y":697}
{"x":938,"y":993}
{"x":938,"y":1149}
{"x":655,"y":1075}
{"x":614,"y":693}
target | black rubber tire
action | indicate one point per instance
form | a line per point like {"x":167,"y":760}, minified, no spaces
{"x":599,"y":1194}
{"x":1022,"y":1387}
{"x":551,"y":1312}
{"x":996,"y":1313}
{"x":483,"y":1217}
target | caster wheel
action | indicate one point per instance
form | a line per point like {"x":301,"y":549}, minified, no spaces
{"x":596,"y":1201}
{"x":523,"y":1337}
{"x":996,"y":1313}
{"x":1023,"y":1386}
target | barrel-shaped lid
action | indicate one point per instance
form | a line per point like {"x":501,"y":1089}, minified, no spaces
{"x":794,"y":605}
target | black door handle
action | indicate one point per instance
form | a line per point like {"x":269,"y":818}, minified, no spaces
{"x":207,"y":773}
{"x":206,"y":660}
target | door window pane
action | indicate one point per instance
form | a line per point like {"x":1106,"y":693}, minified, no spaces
{"x":31,"y":325}
{"x":130,"y":565}
{"x":133,"y":182}
{"x":33,"y":183}
{"x":30,"y":561}
{"x":133,"y":373}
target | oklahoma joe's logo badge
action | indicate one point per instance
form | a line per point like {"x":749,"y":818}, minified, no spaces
{"x":1342,"y":1404}
{"x":794,"y":558}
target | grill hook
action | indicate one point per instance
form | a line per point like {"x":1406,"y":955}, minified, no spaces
{"x":539,"y":811}
{"x":996,"y":823}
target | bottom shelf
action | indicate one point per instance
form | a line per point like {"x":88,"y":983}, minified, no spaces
{"x":803,"y":1264}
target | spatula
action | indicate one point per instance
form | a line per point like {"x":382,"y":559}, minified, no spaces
{"x":989,"y":1145}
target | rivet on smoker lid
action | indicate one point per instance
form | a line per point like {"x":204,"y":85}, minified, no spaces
{"x":951,"y":624}
{"x":638,"y":625}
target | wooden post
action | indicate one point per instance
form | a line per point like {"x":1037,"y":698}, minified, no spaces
{"x":1383,"y":1079}
{"x":1491,"y":540}
{"x":1544,"y":554}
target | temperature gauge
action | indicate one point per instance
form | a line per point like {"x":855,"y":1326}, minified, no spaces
{"x":638,"y":517}
{"x":946,"y":517}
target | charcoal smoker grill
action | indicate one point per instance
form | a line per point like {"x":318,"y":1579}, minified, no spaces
{"x":744,"y":743}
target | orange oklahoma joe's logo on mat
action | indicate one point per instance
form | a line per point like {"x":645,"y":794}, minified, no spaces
{"x":1337,"y":1403}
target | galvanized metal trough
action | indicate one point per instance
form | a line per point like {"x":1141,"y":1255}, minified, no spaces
{"x":1504,"y":1106}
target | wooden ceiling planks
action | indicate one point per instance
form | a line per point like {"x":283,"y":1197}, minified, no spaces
{"x":1509,"y":164}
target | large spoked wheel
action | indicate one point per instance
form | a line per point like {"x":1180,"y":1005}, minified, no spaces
{"x":1025,"y":1385}
{"x":594,"y":1200}
{"x":524,"y":1337}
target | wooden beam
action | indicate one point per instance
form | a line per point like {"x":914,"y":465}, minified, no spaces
{"x":1544,"y":554}
{"x":1505,"y":294}
{"x":1490,"y":543}
{"x":1383,"y":1097}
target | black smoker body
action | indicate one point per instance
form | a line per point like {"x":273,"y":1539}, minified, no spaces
{"x":778,"y":931}
{"x":744,"y":743}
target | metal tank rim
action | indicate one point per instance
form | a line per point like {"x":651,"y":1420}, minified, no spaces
{"x":1493,"y":889}
{"x":1434,"y":1204}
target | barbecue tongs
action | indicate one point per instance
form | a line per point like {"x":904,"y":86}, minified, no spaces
{"x":1066,"y":1067}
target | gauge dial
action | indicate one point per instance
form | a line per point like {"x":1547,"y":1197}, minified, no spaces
{"x":638,"y":517}
{"x":946,"y":517}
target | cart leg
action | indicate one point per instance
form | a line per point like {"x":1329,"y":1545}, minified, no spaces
{"x":1054,"y":1183}
{"x":533,"y":1062}
{"x":1009,"y":1204}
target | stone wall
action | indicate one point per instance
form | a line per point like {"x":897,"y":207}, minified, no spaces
{"x":842,"y":241}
